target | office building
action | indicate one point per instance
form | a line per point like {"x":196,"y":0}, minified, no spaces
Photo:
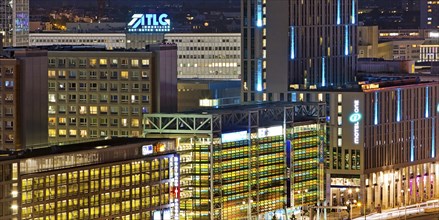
{"x":247,"y":161}
{"x":108,"y":179}
{"x":109,"y":40}
{"x":95,"y":92}
{"x":379,"y":134}
{"x":23,"y":104}
{"x":208,"y":56}
{"x":429,"y":14}
{"x":197,"y":93}
{"x":429,"y":50}
{"x":296,"y":44}
{"x":14,"y":22}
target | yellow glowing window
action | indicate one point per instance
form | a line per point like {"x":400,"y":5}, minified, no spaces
{"x":124,"y":74}
{"x":73,"y":132}
{"x":135,"y":63}
{"x":51,"y":74}
{"x":52,"y":133}
{"x":134,"y":122}
{"x":102,"y":61}
{"x":93,"y":110}
{"x":92,"y":62}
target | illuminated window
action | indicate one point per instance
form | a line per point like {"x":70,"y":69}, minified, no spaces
{"x":62,"y":132}
{"x":103,"y":62}
{"x":124,"y":74}
{"x":134,"y":122}
{"x":134,"y":63}
{"x":93,"y":110}
{"x":92,"y":62}
{"x":73,"y":133}
{"x":52,"y":133}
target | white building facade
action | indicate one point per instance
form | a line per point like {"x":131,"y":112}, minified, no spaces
{"x":208,"y":55}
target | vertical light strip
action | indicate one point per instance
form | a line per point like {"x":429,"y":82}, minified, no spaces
{"x":433,"y":139}
{"x":338,"y":12}
{"x":346,"y":39}
{"x":353,"y":12}
{"x":323,"y":72}
{"x":293,"y":44}
{"x":398,"y":105}
{"x":427,"y":103}
{"x":259,"y":14}
{"x":376,"y":107}
{"x":259,"y":76}
{"x":412,"y":141}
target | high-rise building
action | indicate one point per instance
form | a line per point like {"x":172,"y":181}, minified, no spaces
{"x":23,"y":104}
{"x":96,"y":93}
{"x":249,"y":161}
{"x":295,"y":44}
{"x":122,"y":178}
{"x":14,"y":22}
{"x":429,"y":14}
{"x":380,"y":133}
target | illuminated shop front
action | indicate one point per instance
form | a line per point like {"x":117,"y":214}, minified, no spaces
{"x":246,"y":161}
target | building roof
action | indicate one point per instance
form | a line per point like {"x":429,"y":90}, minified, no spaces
{"x":76,"y":147}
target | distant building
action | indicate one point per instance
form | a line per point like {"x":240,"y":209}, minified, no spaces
{"x":246,"y":161}
{"x":367,"y":41}
{"x":372,"y":65}
{"x":109,"y":179}
{"x":109,"y":40}
{"x":14,"y":22}
{"x":208,"y":56}
{"x":289,"y":45}
{"x":200,"y":55}
{"x":199,"y":93}
{"x":429,"y":14}
{"x":429,"y":50}
{"x":97,"y":93}
{"x":23,"y":104}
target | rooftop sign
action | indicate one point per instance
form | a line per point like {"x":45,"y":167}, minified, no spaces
{"x":149,"y":23}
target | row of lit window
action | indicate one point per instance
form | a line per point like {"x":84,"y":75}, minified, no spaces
{"x":82,"y":86}
{"x":92,"y":74}
{"x":101,"y":62}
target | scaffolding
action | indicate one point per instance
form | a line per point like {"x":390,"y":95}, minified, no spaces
{"x":245,"y":161}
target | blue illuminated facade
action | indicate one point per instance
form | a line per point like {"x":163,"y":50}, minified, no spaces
{"x":338,"y":12}
{"x":376,"y":109}
{"x":398,"y":105}
{"x":292,"y":44}
{"x":433,"y":139}
{"x":259,"y":76}
{"x":259,"y":14}
{"x":323,"y":72}
{"x":427,"y":101}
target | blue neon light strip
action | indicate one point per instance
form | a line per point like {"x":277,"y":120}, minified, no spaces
{"x":323,"y":72}
{"x":433,"y":140}
{"x":293,"y":44}
{"x":259,"y":14}
{"x":412,"y":141}
{"x":376,"y":109}
{"x":427,"y":105}
{"x":346,"y":39}
{"x":259,"y":77}
{"x":353,"y":12}
{"x":338,"y":12}
{"x":398,"y":105}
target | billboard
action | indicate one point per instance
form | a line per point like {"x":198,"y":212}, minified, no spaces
{"x":149,"y":23}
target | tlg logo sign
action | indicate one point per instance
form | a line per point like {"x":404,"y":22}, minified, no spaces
{"x":149,"y":23}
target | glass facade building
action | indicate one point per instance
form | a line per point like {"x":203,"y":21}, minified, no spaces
{"x":14,"y":22}
{"x":109,"y":179}
{"x":247,"y":161}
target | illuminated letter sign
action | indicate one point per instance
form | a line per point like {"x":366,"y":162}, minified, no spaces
{"x":149,"y":23}
{"x":147,"y":149}
{"x":355,"y":118}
